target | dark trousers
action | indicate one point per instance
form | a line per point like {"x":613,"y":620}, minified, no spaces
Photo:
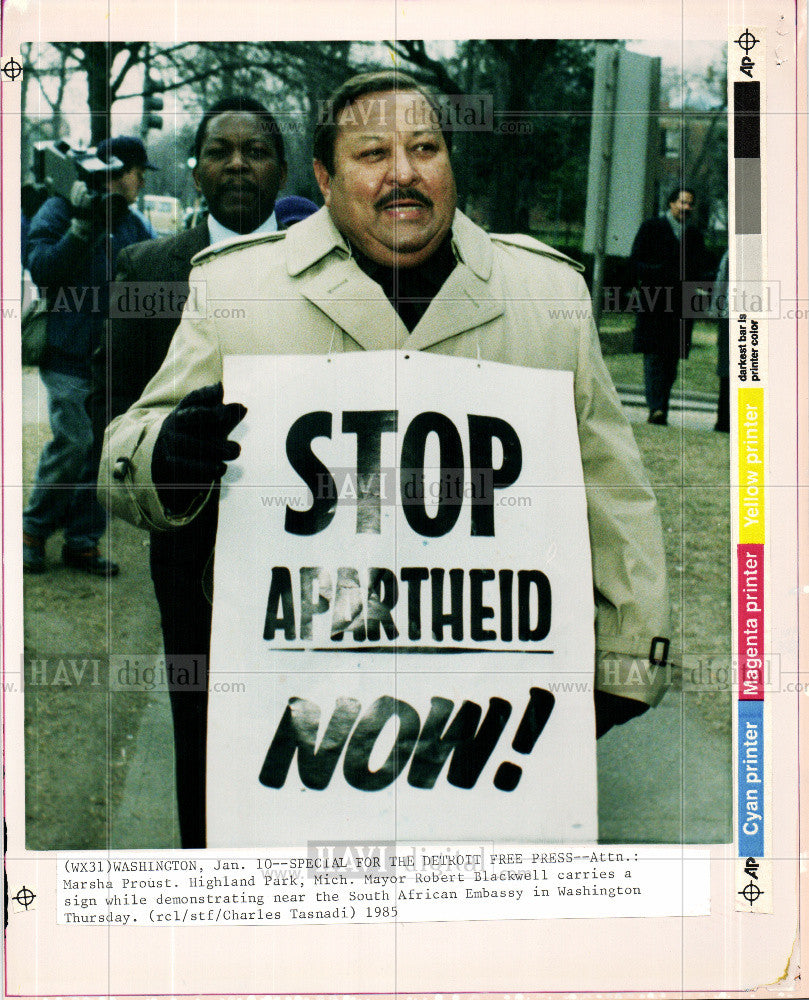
{"x":659,"y":375}
{"x":723,"y":371}
{"x":723,"y":405}
{"x":178,"y":560}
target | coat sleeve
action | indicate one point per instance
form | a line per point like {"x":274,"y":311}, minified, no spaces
{"x":647,"y":262}
{"x":629,"y":566}
{"x":704,"y":264}
{"x":53,"y":253}
{"x":125,"y":485}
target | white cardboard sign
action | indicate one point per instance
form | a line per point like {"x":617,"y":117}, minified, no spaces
{"x":402,"y":638}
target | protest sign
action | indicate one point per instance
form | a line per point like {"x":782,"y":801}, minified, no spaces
{"x":403,"y":614}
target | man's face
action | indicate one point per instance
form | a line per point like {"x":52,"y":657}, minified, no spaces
{"x":128,"y":184}
{"x":392,"y":192}
{"x":238,"y":171}
{"x":682,"y":206}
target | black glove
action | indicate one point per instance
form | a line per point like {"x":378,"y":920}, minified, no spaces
{"x":192,"y":447}
{"x":95,"y":213}
{"x":613,"y":710}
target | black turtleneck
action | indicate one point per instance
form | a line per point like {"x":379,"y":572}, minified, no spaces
{"x":410,"y":290}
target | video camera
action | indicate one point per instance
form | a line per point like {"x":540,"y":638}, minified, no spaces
{"x":58,"y":165}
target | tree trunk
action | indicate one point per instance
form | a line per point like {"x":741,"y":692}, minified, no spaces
{"x":96,"y":64}
{"x":522,"y":60}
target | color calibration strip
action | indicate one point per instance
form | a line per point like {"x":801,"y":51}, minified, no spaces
{"x":748,"y":359}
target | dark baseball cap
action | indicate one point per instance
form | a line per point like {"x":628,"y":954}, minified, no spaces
{"x":126,"y":148}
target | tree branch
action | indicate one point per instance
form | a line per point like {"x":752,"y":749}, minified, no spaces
{"x":132,"y":59}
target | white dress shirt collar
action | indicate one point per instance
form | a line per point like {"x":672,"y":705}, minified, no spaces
{"x":218,"y":232}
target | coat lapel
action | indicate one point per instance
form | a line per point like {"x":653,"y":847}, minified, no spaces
{"x":463,"y":303}
{"x":359,"y":306}
{"x":465,"y":300}
{"x":356,"y":304}
{"x":341,"y":290}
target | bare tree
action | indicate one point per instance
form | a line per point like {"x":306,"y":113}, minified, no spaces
{"x":51,"y":70}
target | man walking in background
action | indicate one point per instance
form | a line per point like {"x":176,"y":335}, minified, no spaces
{"x":667,"y":252}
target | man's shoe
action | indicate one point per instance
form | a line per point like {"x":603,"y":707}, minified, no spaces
{"x":658,"y":417}
{"x":33,"y":554}
{"x":91,"y":561}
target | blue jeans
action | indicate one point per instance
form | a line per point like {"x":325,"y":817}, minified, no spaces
{"x":64,"y":494}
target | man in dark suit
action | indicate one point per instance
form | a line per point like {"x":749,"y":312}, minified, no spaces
{"x":240,"y":167}
{"x":667,"y":252}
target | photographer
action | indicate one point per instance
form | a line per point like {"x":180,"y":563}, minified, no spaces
{"x":72,"y":247}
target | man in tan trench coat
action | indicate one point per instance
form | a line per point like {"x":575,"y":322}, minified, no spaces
{"x":390,"y":263}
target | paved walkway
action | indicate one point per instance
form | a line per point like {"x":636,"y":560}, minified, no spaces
{"x":696,"y":411}
{"x":147,"y":815}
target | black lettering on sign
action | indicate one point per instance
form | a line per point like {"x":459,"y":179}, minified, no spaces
{"x":466,"y":741}
{"x":348,"y":606}
{"x":297,"y":731}
{"x":470,"y":747}
{"x":529,"y":580}
{"x":482,"y":431}
{"x":313,"y":472}
{"x":505,"y":579}
{"x":454,"y":617}
{"x":383,"y":593}
{"x":367,"y":609}
{"x":478,"y":611}
{"x":450,"y":481}
{"x":358,"y":753}
{"x":414,"y":576}
{"x":313,"y":577}
{"x":280,"y":593}
{"x":534,"y":720}
{"x":445,"y":494}
{"x":369,"y":426}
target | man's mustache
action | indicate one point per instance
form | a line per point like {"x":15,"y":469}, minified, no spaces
{"x":403,"y":194}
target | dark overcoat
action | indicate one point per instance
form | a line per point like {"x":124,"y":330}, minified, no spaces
{"x":662,"y":268}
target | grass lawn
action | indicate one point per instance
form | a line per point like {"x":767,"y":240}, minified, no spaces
{"x":696,"y":374}
{"x":689,"y":471}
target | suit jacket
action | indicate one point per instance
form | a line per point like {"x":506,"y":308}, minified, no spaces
{"x":146,"y":302}
{"x":509,"y":299}
{"x":661,"y":264}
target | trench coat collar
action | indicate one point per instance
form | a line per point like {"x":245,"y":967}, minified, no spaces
{"x":359,"y":306}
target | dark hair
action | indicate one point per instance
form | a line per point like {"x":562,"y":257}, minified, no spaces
{"x":358,"y":86}
{"x":248,"y":106}
{"x":683,"y":189}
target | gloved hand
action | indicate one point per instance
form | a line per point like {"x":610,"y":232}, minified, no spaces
{"x":192,"y":447}
{"x":95,"y":213}
{"x":613,"y":710}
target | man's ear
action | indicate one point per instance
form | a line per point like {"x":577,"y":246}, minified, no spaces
{"x":323,"y":181}
{"x":196,"y":182}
